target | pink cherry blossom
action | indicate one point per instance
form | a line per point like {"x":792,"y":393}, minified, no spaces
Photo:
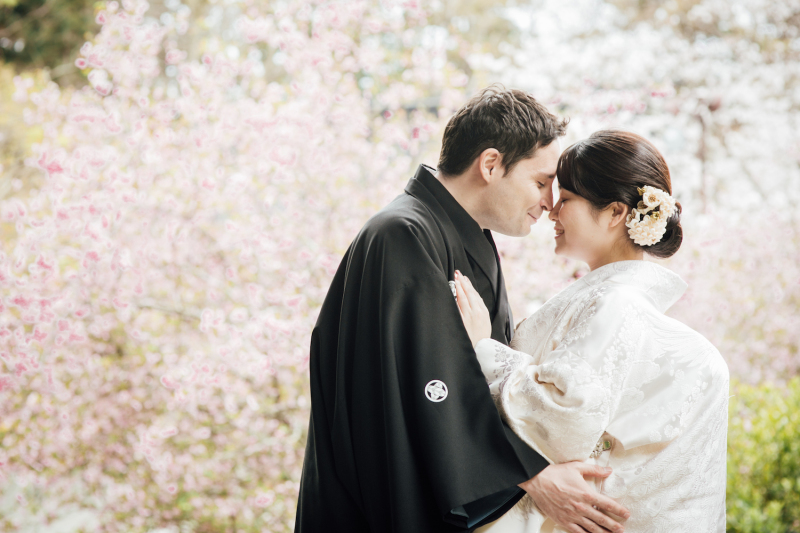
{"x":163,"y":272}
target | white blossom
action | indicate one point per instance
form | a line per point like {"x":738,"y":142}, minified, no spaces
{"x":647,"y":226}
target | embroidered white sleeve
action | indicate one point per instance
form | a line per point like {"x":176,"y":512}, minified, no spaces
{"x":497,"y":362}
{"x":563,"y":404}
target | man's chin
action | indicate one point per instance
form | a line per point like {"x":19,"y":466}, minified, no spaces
{"x":509,"y":229}
{"x":523,"y":232}
{"x":513,"y":232}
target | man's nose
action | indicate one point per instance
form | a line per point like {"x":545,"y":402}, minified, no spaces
{"x":553,"y":215}
{"x":547,"y":201}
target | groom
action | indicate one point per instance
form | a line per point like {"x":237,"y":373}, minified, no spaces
{"x":404,"y":435}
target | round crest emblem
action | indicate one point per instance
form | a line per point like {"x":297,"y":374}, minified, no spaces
{"x":436,"y":390}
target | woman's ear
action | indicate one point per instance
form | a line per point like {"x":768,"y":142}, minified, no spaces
{"x":619,"y":214}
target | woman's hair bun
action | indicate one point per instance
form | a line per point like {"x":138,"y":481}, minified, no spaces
{"x":672,"y":239}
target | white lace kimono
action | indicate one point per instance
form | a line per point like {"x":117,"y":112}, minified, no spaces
{"x":599,"y":374}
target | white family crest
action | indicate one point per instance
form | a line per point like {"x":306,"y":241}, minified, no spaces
{"x":436,"y":390}
{"x":453,"y":288}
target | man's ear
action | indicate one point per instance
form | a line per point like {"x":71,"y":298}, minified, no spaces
{"x":619,"y":214}
{"x":490,"y":164}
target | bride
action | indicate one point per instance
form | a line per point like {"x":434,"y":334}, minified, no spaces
{"x":599,"y":374}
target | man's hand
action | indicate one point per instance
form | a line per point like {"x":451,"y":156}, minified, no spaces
{"x":561,"y":493}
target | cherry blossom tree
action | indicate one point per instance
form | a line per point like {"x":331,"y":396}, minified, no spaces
{"x":182,"y":214}
{"x":161,"y":282}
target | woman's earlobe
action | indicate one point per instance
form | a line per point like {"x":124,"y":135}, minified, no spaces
{"x":619,"y":213}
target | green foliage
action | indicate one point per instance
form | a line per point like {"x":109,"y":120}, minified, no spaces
{"x":15,"y":142}
{"x":44,"y":33}
{"x":764,"y":458}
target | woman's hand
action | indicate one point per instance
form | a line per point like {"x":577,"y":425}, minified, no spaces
{"x":473,"y":310}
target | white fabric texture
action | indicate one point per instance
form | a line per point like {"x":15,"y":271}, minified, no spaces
{"x":601,"y":362}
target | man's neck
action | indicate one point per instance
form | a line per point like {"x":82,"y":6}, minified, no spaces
{"x":466,"y":195}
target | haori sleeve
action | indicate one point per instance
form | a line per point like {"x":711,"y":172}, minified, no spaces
{"x":448,"y":415}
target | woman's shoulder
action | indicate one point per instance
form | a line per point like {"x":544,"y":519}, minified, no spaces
{"x":633,"y":304}
{"x":582,"y":298}
{"x":688,"y":347}
{"x":634,"y":280}
{"x":612,"y":296}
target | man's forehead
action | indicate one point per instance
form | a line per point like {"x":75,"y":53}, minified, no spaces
{"x":544,"y":171}
{"x":547,"y":156}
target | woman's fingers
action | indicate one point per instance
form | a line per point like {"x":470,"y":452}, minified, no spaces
{"x":461,"y":297}
{"x":475,"y":299}
{"x":475,"y":315}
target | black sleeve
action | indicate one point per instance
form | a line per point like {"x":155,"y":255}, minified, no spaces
{"x":461,"y":440}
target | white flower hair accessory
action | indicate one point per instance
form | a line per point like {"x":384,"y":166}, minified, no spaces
{"x":647,"y":223}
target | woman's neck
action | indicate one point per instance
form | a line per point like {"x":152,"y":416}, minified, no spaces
{"x":616,"y":254}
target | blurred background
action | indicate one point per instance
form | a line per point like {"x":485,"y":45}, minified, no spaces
{"x":180,"y":179}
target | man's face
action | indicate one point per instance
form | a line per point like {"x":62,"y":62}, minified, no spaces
{"x":517,"y":200}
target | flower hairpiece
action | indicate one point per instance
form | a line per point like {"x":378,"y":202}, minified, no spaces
{"x":647,"y":223}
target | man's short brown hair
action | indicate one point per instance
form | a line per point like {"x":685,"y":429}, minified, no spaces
{"x":509,"y":120}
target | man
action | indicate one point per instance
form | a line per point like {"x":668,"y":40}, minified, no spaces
{"x":404,"y":436}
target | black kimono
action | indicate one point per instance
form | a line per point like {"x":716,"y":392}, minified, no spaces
{"x":404,"y":435}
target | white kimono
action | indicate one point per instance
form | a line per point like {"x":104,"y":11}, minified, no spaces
{"x":599,"y":374}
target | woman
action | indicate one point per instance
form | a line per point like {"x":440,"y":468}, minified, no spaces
{"x":599,"y":374}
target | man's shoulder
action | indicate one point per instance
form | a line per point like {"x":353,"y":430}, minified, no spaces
{"x":405,"y":229}
{"x":404,"y":215}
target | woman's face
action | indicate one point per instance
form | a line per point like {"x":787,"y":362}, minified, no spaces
{"x":581,"y":233}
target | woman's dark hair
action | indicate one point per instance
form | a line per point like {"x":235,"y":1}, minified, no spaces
{"x":511,"y":121}
{"x":609,"y":167}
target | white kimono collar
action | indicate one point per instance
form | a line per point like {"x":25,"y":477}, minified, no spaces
{"x":664,"y":287}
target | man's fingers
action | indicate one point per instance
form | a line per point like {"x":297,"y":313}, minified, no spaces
{"x":592,"y":527}
{"x":574,"y":528}
{"x":602,"y":522}
{"x":608,"y":506}
{"x":592,"y":470}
